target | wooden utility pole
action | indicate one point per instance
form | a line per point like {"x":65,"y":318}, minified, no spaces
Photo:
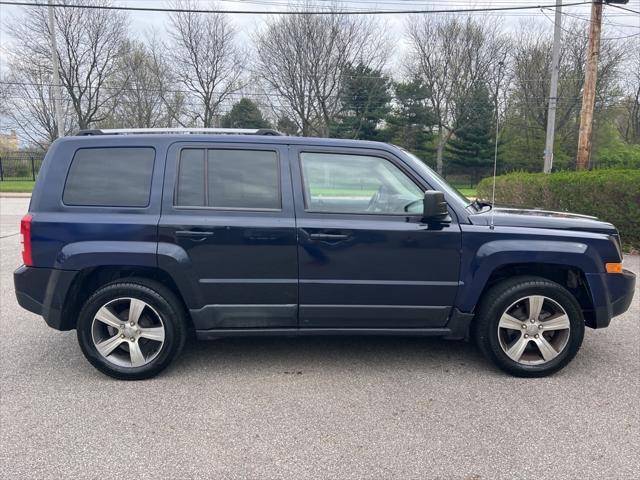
{"x":589,"y":90}
{"x":553,"y":91}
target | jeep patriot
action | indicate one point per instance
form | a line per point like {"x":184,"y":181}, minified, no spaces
{"x":137,"y":239}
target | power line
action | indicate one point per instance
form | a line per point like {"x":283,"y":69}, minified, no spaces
{"x":290,"y":12}
{"x":575,"y":34}
{"x":613,"y":24}
{"x":624,"y":8}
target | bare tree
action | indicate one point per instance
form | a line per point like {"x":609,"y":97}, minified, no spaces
{"x":301,"y":61}
{"x":89,"y":41}
{"x":28,"y":102}
{"x":205,"y":59}
{"x":452,"y":56}
{"x":531,"y":67}
{"x":148,"y":98}
{"x":628,"y":121}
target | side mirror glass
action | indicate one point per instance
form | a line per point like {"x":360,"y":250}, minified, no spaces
{"x":434,"y":206}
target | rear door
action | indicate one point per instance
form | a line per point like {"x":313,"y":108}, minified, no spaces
{"x":229,"y":208}
{"x":366,"y":257}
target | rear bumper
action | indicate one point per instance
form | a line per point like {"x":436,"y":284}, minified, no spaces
{"x":43,"y":291}
{"x":612,"y":294}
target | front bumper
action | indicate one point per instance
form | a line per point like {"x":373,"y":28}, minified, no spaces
{"x":43,"y":291}
{"x":612,"y":294}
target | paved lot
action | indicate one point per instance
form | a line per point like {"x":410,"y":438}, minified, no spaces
{"x":329,"y":408}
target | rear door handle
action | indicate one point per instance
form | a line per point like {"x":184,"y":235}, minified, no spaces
{"x":329,"y":236}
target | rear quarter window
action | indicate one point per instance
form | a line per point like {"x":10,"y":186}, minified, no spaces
{"x":110,"y":177}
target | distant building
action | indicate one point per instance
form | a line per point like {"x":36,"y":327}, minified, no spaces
{"x":9,"y":141}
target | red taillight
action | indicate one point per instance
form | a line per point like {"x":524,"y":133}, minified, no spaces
{"x":25,"y":233}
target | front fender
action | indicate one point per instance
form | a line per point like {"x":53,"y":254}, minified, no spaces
{"x":480,"y":264}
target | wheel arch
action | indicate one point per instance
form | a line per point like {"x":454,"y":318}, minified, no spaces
{"x":562,"y":261}
{"x":90,"y":279}
{"x":569,"y":276}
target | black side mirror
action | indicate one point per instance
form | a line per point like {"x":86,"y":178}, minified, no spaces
{"x":434,"y":206}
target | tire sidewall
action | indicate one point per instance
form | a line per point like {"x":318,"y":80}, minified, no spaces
{"x":163,"y":308}
{"x":509,"y":296}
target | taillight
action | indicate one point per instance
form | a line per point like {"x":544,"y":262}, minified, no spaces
{"x":25,"y":233}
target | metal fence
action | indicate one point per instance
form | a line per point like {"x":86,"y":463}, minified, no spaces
{"x":20,"y":165}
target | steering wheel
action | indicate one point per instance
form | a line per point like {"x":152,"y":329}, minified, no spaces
{"x":374,"y":200}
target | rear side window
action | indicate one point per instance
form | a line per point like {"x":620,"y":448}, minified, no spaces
{"x":110,"y":177}
{"x":228,"y":179}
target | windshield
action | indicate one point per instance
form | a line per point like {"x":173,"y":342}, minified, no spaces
{"x":440,"y":183}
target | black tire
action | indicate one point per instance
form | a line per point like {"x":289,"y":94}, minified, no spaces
{"x":500,"y":297}
{"x":156,"y":295}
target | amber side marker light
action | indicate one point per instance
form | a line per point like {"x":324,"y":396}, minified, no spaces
{"x":613,"y":267}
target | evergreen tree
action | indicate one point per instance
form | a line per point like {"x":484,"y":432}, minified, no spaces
{"x":410,"y":124}
{"x":472,"y":148}
{"x":244,"y":114}
{"x":365,"y":104}
{"x":287,"y":126}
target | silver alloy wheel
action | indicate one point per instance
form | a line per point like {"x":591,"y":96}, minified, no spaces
{"x":534,"y":330}
{"x":128,"y":332}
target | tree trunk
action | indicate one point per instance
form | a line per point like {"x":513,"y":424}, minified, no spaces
{"x":443,"y":138}
{"x":439,"y":154}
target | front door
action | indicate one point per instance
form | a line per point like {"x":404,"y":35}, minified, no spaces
{"x":228,"y":208}
{"x":366,"y":258}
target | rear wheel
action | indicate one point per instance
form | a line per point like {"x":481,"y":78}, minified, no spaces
{"x":529,"y":326}
{"x":131,"y":330}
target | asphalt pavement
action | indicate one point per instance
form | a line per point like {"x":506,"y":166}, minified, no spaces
{"x":326,"y":408}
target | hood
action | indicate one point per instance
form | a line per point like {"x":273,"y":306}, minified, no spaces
{"x":517,"y":217}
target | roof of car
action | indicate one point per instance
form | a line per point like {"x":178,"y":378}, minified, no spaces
{"x":155,"y":139}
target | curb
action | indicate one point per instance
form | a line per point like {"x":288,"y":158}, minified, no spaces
{"x":14,"y":195}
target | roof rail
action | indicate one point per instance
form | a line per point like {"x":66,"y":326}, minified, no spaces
{"x":220,"y":131}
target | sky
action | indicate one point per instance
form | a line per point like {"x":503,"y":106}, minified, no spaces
{"x":616,"y":22}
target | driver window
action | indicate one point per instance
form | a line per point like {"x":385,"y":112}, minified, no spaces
{"x":341,"y":183}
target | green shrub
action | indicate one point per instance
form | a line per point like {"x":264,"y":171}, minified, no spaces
{"x":611,"y":195}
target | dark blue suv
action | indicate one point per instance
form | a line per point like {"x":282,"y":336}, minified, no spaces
{"x":135,"y":239}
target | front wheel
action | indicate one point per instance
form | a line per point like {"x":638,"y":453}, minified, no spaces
{"x":529,"y":326}
{"x":132,"y":329}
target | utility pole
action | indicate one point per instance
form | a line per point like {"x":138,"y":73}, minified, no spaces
{"x":553,"y":91}
{"x":57,"y":91}
{"x":589,"y":90}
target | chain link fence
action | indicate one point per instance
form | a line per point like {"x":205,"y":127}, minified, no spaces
{"x":20,"y":164}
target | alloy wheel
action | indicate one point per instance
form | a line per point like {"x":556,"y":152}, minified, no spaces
{"x":534,"y":330}
{"x":128,"y":332}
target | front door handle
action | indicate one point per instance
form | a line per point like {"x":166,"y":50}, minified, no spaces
{"x":194,"y":235}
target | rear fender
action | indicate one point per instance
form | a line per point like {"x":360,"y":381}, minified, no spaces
{"x":168,"y":257}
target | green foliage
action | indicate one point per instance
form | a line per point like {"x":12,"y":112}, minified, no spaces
{"x":619,"y":155}
{"x":472,"y":147}
{"x":410,"y":122}
{"x":522,"y":148}
{"x":610,"y":151}
{"x":244,"y":114}
{"x":612,"y":195}
{"x":365,"y":105}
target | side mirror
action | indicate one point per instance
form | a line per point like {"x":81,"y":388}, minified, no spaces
{"x":434,"y":206}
